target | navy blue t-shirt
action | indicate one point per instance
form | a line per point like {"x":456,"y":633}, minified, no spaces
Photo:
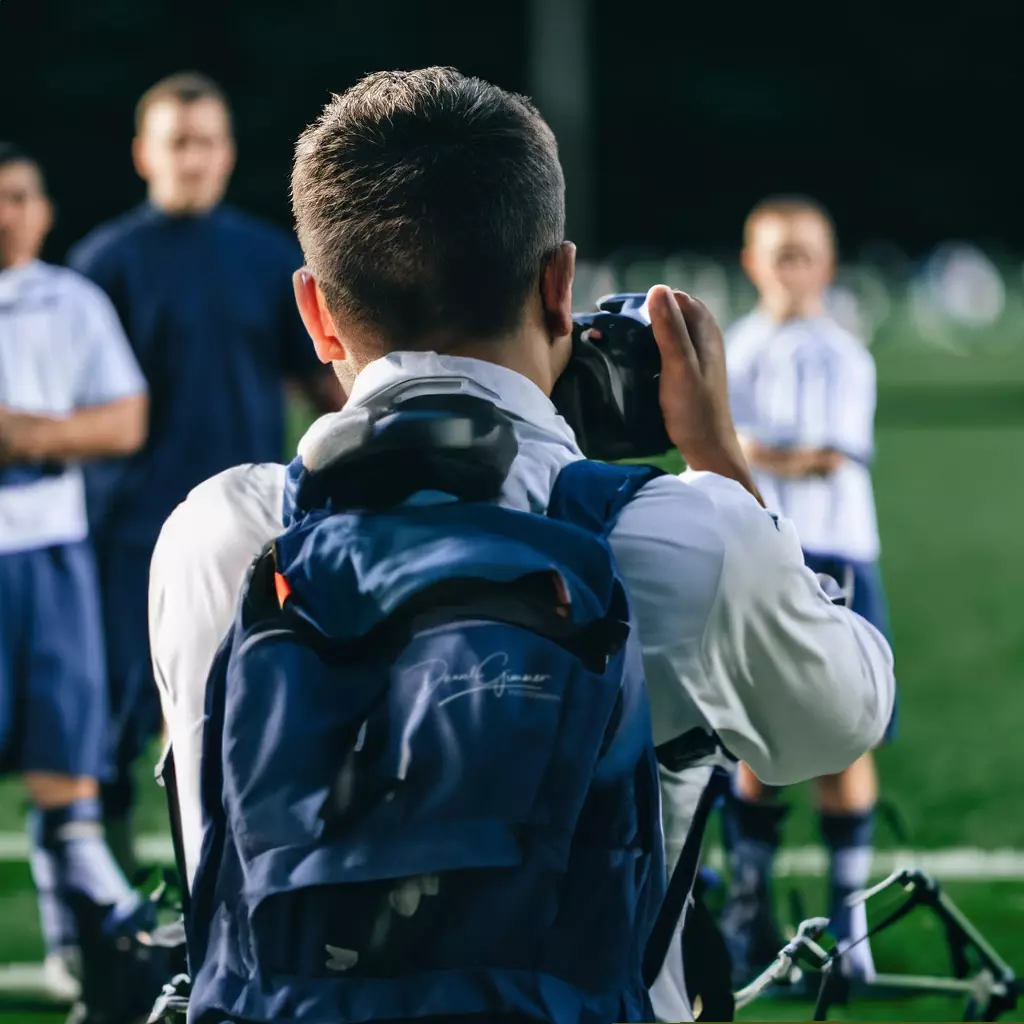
{"x":207,"y":304}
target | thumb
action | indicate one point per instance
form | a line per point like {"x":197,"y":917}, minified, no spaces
{"x":670,"y":331}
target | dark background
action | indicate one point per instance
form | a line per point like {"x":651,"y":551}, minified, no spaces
{"x":905,"y":123}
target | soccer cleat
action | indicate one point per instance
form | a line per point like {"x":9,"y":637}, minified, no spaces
{"x":123,"y":972}
{"x":61,"y":973}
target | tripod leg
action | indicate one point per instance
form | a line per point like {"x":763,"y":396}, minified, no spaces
{"x":834,"y":989}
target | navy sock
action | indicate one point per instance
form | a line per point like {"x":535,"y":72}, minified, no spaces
{"x":753,"y":832}
{"x":848,"y":838}
{"x":72,"y":837}
{"x":55,"y":917}
{"x":118,"y":796}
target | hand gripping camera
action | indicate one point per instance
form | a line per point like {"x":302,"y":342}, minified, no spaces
{"x":608,"y":393}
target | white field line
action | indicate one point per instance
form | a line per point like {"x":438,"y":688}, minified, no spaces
{"x":961,"y":863}
{"x":958,"y":863}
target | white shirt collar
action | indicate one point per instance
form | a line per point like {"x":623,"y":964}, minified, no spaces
{"x":13,"y":279}
{"x":507,"y":389}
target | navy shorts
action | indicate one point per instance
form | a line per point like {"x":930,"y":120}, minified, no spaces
{"x":135,"y":715}
{"x":868,"y":598}
{"x":53,"y":697}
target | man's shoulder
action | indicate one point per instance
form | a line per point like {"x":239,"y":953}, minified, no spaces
{"x":259,"y":232}
{"x":724,"y":503}
{"x":682,"y":527}
{"x":746,"y":327}
{"x":706,"y":515}
{"x":826,"y":338}
{"x":745,"y":339}
{"x":252,"y":490}
{"x":106,"y":240}
{"x":686,"y":544}
{"x":64,"y":283}
{"x":241,"y":507}
{"x":699,"y":501}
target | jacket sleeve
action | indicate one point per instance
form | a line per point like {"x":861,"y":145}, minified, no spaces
{"x":196,"y":575}
{"x":738,"y":635}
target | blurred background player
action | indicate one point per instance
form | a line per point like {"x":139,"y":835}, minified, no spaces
{"x":70,"y":390}
{"x":802,"y":391}
{"x":205,"y":295}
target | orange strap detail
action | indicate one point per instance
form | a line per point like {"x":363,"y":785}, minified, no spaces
{"x":283,"y":588}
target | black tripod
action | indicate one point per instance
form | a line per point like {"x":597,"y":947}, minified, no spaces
{"x":980,"y":975}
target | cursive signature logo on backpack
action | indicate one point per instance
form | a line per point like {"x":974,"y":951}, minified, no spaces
{"x":490,"y":675}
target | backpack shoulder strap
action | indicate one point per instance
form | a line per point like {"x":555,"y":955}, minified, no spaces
{"x":592,"y":495}
{"x":166,"y":777}
{"x":680,"y":884}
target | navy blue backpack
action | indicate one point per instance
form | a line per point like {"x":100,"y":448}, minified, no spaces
{"x":429,"y":786}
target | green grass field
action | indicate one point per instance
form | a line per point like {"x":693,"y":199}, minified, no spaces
{"x":950,"y":489}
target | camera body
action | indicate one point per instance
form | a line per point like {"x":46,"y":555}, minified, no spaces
{"x":608,"y":393}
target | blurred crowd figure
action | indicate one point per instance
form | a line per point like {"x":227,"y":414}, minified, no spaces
{"x":70,"y":391}
{"x":204,"y":293}
{"x":802,"y":392}
{"x":195,"y":299}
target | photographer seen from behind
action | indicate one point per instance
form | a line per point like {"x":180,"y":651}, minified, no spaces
{"x":473,"y":835}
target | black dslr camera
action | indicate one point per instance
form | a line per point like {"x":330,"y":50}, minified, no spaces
{"x":608,"y":393}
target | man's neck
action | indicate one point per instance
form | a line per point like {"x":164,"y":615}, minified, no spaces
{"x":784,"y":310}
{"x":175,"y":213}
{"x":526,"y":356}
{"x":17,"y":262}
{"x":514,"y":356}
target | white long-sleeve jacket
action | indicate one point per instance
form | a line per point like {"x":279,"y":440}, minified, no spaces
{"x":737,"y":634}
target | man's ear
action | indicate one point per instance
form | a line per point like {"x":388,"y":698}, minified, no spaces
{"x":51,"y":215}
{"x":317,"y":317}
{"x":233,"y":155}
{"x":139,"y":158}
{"x":556,"y":290}
{"x":746,"y":261}
{"x":830,"y":272}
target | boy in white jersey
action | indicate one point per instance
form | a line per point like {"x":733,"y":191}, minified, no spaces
{"x":70,"y":390}
{"x":802,"y":390}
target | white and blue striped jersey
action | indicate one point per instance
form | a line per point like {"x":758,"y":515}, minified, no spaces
{"x":62,"y":348}
{"x":810,"y":384}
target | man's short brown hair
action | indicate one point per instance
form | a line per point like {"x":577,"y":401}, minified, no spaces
{"x":426,"y":202}
{"x":183,"y":87}
{"x":789,"y":205}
